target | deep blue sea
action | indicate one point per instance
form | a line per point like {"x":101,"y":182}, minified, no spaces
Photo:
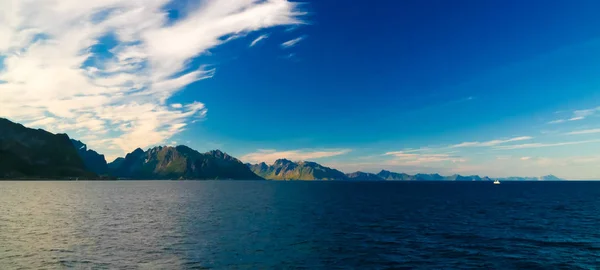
{"x":299,"y":225}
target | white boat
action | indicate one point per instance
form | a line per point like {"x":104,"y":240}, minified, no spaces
{"x":496,"y":182}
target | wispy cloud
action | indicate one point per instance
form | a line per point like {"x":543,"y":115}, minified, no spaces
{"x":490,"y":143}
{"x":448,"y":153}
{"x":558,"y":121}
{"x":258,"y":39}
{"x":290,"y":56}
{"x":525,"y":158}
{"x":587,"y":131}
{"x":577,"y":115}
{"x":541,"y":145}
{"x":292,"y":43}
{"x":413,"y":158}
{"x":405,"y":151}
{"x":565,"y":161}
{"x":270,"y":155}
{"x":58,"y":75}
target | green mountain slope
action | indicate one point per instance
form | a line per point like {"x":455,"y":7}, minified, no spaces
{"x":35,"y":153}
{"x":180,"y":162}
{"x":284,"y":169}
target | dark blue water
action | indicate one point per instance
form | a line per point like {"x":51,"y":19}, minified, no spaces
{"x":316,"y":225}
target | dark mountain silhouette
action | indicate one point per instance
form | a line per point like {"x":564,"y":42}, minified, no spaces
{"x":36,"y":153}
{"x":93,"y":161}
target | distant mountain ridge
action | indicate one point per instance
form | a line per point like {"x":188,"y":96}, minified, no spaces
{"x":36,"y":153}
{"x":387,"y":175}
{"x":540,"y":178}
{"x":392,"y":176}
{"x":284,"y":169}
{"x":181,"y":162}
{"x":363,"y":176}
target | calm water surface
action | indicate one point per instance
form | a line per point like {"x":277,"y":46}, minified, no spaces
{"x":320,"y":225}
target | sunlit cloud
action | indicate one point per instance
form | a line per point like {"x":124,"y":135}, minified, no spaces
{"x":271,"y":155}
{"x":490,"y":143}
{"x":57,"y":72}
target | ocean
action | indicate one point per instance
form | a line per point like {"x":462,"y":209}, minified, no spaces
{"x":299,"y":225}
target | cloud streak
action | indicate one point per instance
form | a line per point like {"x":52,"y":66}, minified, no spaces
{"x":258,"y":39}
{"x":587,"y":131}
{"x":542,"y":145}
{"x":413,"y":158}
{"x":490,"y":143}
{"x":269,"y":156}
{"x":577,"y":115}
{"x":60,"y":73}
{"x":292,"y":43}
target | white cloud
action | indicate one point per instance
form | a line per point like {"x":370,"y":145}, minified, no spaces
{"x":447,"y":154}
{"x":587,"y":131}
{"x":541,"y":145}
{"x":525,"y":158}
{"x":577,"y":115}
{"x":490,"y":143}
{"x":558,"y":121}
{"x":270,"y":155}
{"x":258,"y":39}
{"x":54,"y":76}
{"x":292,"y":43}
{"x":413,"y":158}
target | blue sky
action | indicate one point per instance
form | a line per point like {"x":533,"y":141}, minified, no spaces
{"x":472,"y":87}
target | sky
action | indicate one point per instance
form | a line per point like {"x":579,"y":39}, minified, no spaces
{"x":496,"y":88}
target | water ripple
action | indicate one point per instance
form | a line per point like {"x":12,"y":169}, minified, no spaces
{"x":271,"y":225}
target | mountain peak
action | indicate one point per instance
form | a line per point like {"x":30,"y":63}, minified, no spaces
{"x":92,"y":160}
{"x":220,"y":154}
{"x":282,"y":161}
{"x":217,"y":152}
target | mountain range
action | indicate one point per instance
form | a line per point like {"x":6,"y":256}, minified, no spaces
{"x":27,"y":153}
{"x":283,"y":169}
{"x":181,"y":162}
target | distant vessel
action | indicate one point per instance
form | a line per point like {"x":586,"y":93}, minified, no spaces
{"x":496,"y":182}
